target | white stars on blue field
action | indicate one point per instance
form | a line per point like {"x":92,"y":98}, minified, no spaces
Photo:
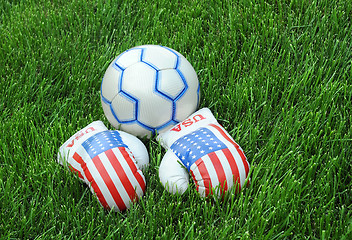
{"x":102,"y":142}
{"x":195,"y":145}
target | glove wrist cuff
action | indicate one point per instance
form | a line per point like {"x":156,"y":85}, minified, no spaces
{"x":197,"y":120}
{"x":78,"y":138}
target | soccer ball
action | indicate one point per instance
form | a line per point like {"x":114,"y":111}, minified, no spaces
{"x":148,"y":89}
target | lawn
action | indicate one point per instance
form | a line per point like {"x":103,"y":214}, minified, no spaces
{"x":276,"y":74}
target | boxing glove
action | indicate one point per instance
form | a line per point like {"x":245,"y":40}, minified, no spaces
{"x":109,"y":162}
{"x":200,"y":147}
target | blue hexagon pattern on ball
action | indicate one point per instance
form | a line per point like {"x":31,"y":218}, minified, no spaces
{"x":148,"y":89}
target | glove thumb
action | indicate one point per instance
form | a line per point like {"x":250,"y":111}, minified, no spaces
{"x":172,"y":174}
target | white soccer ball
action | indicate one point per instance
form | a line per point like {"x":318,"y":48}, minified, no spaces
{"x":148,"y":89}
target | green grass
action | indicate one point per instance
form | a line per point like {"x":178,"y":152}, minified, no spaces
{"x":276,"y":74}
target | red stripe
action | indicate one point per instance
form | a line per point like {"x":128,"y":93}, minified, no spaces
{"x":90,"y":179}
{"x":109,"y":183}
{"x":133,"y":167}
{"x":195,"y":181}
{"x":78,"y":159}
{"x":205,"y":176}
{"x":239,"y":150}
{"x":234,"y":168}
{"x":121,"y":174}
{"x":244,"y":160}
{"x":74,"y":170}
{"x":219,"y":171}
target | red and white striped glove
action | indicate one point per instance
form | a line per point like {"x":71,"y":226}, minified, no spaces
{"x":109,"y":162}
{"x":201,"y":147}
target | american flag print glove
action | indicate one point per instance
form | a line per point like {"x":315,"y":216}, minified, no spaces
{"x":201,"y":148}
{"x":109,"y":162}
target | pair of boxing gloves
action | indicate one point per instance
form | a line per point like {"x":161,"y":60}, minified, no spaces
{"x":111,"y":162}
